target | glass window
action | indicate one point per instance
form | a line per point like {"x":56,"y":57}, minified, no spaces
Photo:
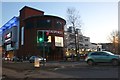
{"x":44,"y":23}
{"x":86,"y":39}
{"x":29,"y":24}
{"x":108,"y":53}
{"x":81,"y":44}
{"x":58,"y":24}
{"x":86,"y":44}
{"x":22,"y":36}
{"x":95,"y":53}
{"x":104,"y":54}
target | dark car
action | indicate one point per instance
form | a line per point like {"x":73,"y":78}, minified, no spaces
{"x":102,"y":57}
{"x":32,"y":59}
{"x":16,"y":59}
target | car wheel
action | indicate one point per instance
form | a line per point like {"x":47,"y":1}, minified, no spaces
{"x":90,"y":62}
{"x":115,"y":62}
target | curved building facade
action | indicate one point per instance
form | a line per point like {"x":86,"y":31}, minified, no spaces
{"x":31,"y":21}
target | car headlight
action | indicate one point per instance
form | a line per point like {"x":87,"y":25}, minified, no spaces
{"x":40,"y":59}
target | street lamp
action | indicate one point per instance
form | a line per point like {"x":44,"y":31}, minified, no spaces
{"x":114,"y":44}
{"x":76,"y":34}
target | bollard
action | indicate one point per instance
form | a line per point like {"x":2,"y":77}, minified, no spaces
{"x":36,"y":63}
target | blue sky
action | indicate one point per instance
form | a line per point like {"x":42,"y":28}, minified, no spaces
{"x":98,"y":18}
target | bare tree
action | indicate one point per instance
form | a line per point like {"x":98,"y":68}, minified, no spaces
{"x":73,"y":17}
{"x":114,"y":39}
{"x":119,"y":42}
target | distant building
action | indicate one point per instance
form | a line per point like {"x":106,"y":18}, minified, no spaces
{"x":107,"y":47}
{"x":83,"y":42}
{"x":93,"y":46}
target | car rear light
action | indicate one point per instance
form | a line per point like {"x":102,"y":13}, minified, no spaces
{"x":86,"y":55}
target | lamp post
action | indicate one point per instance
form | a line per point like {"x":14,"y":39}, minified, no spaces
{"x":114,"y":44}
{"x":76,"y":34}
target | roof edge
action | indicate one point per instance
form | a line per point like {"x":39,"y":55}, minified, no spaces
{"x":44,"y":16}
{"x":32,"y":9}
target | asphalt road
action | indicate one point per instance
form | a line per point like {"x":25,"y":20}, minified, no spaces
{"x":71,"y":69}
{"x":82,"y":70}
{"x":89,"y":72}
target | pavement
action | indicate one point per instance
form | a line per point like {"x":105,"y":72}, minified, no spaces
{"x":26,"y":70}
{"x":32,"y":74}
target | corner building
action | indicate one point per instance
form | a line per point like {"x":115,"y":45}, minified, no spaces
{"x":31,"y":21}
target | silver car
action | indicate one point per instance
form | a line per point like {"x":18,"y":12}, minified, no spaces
{"x":41,"y":59}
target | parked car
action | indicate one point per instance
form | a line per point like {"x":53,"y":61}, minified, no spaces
{"x":16,"y":59}
{"x":102,"y":57}
{"x":6,"y":59}
{"x":83,"y":56}
{"x":32,"y":59}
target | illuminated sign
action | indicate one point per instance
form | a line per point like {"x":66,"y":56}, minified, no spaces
{"x":8,"y":37}
{"x":12,"y":22}
{"x":49,"y":38}
{"x":58,"y":41}
{"x":8,"y":47}
{"x":52,"y":31}
{"x":7,"y":40}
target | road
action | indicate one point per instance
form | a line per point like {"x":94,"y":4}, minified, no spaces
{"x":82,"y":70}
{"x":89,"y":72}
{"x":67,"y":70}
